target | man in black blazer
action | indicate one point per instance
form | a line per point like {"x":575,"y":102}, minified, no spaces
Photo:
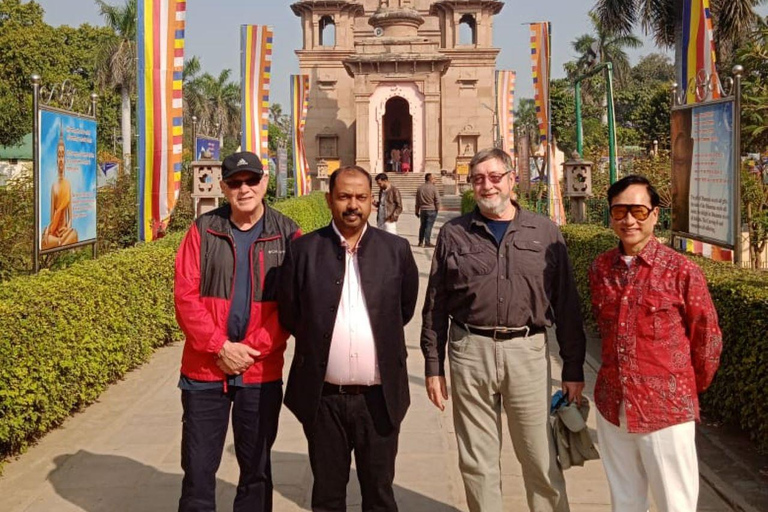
{"x":346,"y":292}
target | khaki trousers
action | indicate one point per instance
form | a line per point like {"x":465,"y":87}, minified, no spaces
{"x":487,"y":375}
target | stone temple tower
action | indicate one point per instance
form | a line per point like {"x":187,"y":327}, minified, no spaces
{"x":389,"y":73}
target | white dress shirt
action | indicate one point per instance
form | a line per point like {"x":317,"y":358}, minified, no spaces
{"x":352,"y":358}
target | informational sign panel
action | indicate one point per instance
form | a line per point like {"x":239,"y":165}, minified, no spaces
{"x":68,"y":179}
{"x":703,"y":174}
{"x":207,"y":148}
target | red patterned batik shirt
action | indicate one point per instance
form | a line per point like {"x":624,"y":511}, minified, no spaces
{"x":661,"y":342}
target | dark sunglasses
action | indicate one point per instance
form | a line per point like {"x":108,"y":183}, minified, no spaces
{"x":638,"y":211}
{"x":236,"y":184}
{"x":479,"y":179}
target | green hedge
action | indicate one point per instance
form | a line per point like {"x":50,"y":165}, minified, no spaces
{"x":737,"y":394}
{"x":310,"y":212}
{"x":66,"y":335}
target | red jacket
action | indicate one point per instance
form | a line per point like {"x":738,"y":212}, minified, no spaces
{"x":203,"y":289}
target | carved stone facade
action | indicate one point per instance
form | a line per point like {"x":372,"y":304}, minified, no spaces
{"x":414,"y":76}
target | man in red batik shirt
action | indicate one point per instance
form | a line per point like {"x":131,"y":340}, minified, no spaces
{"x":661,"y":346}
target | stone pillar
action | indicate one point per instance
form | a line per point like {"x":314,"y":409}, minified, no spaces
{"x":307,"y":25}
{"x":432,"y":132}
{"x":363,"y":128}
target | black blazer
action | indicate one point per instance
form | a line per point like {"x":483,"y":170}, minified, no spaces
{"x":311,"y":280}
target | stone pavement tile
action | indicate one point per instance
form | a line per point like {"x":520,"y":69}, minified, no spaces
{"x":432,"y":497}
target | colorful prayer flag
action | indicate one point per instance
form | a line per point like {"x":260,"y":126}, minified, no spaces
{"x":299,"y":106}
{"x":698,"y":50}
{"x":541,"y":34}
{"x":505,"y":108}
{"x":255,"y":73}
{"x":160,"y":129}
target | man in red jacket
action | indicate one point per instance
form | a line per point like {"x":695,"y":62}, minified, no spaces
{"x":225,"y":295}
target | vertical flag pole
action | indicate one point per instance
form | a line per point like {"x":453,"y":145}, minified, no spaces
{"x":35,"y":79}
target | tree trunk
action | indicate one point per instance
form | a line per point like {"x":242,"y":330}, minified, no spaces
{"x":125,"y":120}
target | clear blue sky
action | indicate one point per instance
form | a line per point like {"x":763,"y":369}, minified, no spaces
{"x":213,"y":33}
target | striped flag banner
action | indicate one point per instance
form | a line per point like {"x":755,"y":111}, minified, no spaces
{"x":698,"y":49}
{"x":160,"y":40}
{"x":505,"y":107}
{"x":299,"y":106}
{"x":255,"y":73}
{"x":541,"y":34}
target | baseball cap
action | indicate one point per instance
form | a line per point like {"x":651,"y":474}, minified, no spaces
{"x":239,"y":162}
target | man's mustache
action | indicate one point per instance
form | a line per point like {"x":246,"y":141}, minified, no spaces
{"x":351,"y":212}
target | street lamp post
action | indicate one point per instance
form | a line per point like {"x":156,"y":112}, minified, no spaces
{"x":495,"y":128}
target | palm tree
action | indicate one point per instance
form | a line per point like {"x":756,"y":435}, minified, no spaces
{"x":223,"y":104}
{"x":664,"y":20}
{"x":611,"y":47}
{"x":117,"y":66}
{"x":195,"y":103}
{"x":527,"y":125}
{"x":277,"y":117}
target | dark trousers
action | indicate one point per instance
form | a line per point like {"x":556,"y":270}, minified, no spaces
{"x":255,"y":413}
{"x":345,"y":423}
{"x":427,"y":218}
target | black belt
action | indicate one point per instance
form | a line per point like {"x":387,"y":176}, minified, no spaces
{"x":501,"y":333}
{"x":346,"y":389}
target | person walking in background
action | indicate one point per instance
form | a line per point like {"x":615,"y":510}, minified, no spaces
{"x":661,"y":346}
{"x":427,"y":206}
{"x":225,"y":296}
{"x":395,"y":156}
{"x":389,"y":204}
{"x":347,"y":291}
{"x":405,"y":159}
{"x":500,"y":276}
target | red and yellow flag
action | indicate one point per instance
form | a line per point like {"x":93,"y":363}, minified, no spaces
{"x":160,"y":62}
{"x":255,"y":73}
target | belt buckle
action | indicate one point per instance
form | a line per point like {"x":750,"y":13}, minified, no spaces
{"x":341,"y":390}
{"x":507,"y":330}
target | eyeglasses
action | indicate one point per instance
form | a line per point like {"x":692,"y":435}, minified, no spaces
{"x":236,"y":184}
{"x":479,"y":179}
{"x":638,"y":211}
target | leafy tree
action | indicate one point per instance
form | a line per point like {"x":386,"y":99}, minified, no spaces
{"x":652,"y":69}
{"x":27,"y":48}
{"x":117,"y":63}
{"x":754,"y":107}
{"x":754,"y":198}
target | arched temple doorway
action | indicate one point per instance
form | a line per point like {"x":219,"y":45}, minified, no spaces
{"x":396,"y":118}
{"x":397,"y":133}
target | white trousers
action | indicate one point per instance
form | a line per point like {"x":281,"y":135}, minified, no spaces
{"x":389,"y":227}
{"x":664,"y":459}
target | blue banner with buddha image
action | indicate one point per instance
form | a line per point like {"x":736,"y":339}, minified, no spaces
{"x":68,"y":179}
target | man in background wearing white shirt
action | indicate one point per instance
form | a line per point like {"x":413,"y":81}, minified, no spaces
{"x":346,"y":292}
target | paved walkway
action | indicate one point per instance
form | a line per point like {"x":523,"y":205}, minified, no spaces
{"x":122,"y":453}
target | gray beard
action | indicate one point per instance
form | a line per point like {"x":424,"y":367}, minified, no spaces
{"x":495,"y":206}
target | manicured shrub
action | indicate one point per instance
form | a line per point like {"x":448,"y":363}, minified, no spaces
{"x":310,"y":212}
{"x":741,"y":297}
{"x":467,"y":201}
